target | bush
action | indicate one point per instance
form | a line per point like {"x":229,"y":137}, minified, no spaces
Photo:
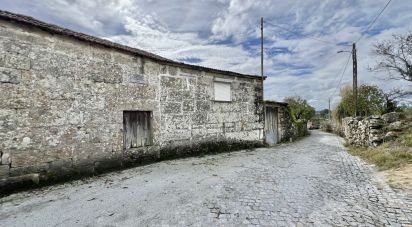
{"x":301,"y":128}
{"x":326,"y":126}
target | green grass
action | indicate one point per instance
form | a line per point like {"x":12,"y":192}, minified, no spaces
{"x":406,"y":138}
{"x":387,"y":156}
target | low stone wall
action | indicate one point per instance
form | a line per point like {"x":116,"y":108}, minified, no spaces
{"x":372,"y":130}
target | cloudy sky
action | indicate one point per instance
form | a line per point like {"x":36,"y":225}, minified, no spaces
{"x":225,"y":34}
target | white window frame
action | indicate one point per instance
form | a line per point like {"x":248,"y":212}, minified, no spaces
{"x":225,"y":93}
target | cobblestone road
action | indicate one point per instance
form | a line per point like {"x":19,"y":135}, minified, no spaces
{"x":313,"y":182}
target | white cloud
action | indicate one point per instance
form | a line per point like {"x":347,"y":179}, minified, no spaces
{"x":216,"y":33}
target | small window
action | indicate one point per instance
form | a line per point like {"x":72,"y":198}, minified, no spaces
{"x":137,"y":131}
{"x":222,"y":91}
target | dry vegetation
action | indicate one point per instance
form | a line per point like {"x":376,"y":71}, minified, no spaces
{"x":389,"y":155}
{"x":394,"y":158}
{"x":400,"y":178}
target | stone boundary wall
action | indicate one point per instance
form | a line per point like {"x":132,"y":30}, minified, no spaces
{"x":372,"y":130}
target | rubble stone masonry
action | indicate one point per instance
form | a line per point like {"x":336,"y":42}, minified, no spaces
{"x":62,"y":103}
{"x":373,"y":130}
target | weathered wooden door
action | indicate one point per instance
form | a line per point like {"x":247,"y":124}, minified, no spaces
{"x":137,"y":129}
{"x":271,"y":125}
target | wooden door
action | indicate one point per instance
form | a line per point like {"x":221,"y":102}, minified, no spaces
{"x":271,"y":125}
{"x":137,"y":129}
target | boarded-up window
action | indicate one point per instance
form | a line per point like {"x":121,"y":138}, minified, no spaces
{"x":137,"y":129}
{"x":222,"y":91}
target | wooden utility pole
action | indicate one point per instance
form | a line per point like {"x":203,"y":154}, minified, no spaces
{"x":355,"y":77}
{"x":261,"y":55}
{"x":261,"y":51}
{"x":263,"y":78}
{"x":329,"y":113}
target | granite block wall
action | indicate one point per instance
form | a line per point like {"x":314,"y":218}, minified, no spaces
{"x":62,"y":103}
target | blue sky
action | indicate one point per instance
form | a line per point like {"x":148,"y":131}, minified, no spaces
{"x":225,"y":34}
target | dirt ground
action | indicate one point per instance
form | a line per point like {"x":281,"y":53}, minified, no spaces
{"x":400,"y":178}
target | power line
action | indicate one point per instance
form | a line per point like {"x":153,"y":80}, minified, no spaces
{"x":291,"y":31}
{"x":374,"y":20}
{"x":341,"y":77}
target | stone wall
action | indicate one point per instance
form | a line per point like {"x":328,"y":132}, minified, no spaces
{"x":372,"y":130}
{"x":62,"y":103}
{"x":285,"y":124}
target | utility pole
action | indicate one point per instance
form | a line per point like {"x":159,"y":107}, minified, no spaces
{"x":329,"y":113}
{"x":261,"y":52}
{"x":355,"y":78}
{"x":355,"y":75}
{"x":263,"y":78}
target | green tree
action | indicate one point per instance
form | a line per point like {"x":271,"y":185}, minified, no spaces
{"x":324,"y":113}
{"x":371,"y":101}
{"x":346,"y":107}
{"x":299,"y":108}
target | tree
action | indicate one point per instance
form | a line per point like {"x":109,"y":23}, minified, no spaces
{"x":324,"y":113}
{"x":346,"y":107}
{"x":299,"y":108}
{"x":395,"y":55}
{"x":371,"y":101}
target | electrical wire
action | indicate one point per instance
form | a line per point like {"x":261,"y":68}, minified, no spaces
{"x":341,"y":77}
{"x":360,"y":38}
{"x":291,"y":31}
{"x":374,"y":20}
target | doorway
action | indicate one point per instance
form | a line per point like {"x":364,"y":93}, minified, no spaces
{"x":271,"y":125}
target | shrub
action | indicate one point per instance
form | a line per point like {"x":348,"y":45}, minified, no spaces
{"x":326,"y":126}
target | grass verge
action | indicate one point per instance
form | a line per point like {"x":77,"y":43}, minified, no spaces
{"x":406,"y":138}
{"x":393,"y":158}
{"x":390,"y":155}
{"x":386,"y":156}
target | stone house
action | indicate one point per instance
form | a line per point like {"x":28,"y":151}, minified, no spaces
{"x":73,"y":104}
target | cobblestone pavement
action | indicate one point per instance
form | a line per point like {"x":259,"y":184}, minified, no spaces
{"x":313,"y":182}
